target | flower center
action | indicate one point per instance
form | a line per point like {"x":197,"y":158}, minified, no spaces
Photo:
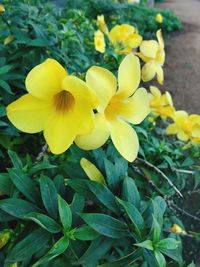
{"x":64,"y":101}
{"x":115,"y":108}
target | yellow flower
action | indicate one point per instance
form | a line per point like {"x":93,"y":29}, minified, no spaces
{"x":153,"y":54}
{"x":13,"y":264}
{"x":159,"y":18}
{"x":176,"y":229}
{"x":5,"y":236}
{"x":99,"y":41}
{"x":133,"y":1}
{"x":2,"y":9}
{"x":8,"y":39}
{"x":185,"y":126}
{"x":117,"y":108}
{"x":58,"y":104}
{"x":92,"y":172}
{"x":124,"y":38}
{"x":101,"y":24}
{"x":161,"y":104}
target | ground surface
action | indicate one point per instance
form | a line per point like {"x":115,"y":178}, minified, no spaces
{"x":182,"y":69}
{"x":182,"y":72}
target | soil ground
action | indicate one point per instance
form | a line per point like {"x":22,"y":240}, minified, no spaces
{"x":182,"y":68}
{"x":182,"y":79}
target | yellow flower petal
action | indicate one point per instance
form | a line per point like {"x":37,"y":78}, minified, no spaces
{"x":97,"y":137}
{"x":160,"y":74}
{"x":169,"y":98}
{"x":60,"y":131}
{"x":135,"y":40}
{"x":28,"y":113}
{"x":160,"y":39}
{"x":129,"y":75}
{"x":136,"y":108}
{"x":149,"y":48}
{"x":148,"y":71}
{"x":45,"y":80}
{"x":99,"y":41}
{"x":182,"y":136}
{"x":92,"y":172}
{"x":155,"y":91}
{"x":125,"y":140}
{"x":103,"y":82}
{"x":172,"y":129}
{"x":180,"y":117}
{"x":120,"y":33}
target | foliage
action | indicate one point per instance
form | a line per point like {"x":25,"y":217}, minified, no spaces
{"x":50,"y":211}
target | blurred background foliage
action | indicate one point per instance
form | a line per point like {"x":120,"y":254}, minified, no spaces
{"x":30,"y":32}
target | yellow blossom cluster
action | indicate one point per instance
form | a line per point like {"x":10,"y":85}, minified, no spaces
{"x":69,"y":110}
{"x":126,"y":39}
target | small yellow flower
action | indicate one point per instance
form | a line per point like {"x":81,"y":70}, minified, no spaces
{"x":161,"y":104}
{"x":124,"y":38}
{"x":2,"y":9}
{"x":101,"y":24}
{"x":5,"y":236}
{"x":117,"y":108}
{"x":186,"y":127}
{"x":99,"y":41}
{"x":153,"y":54}
{"x":13,"y":265}
{"x":8,"y":39}
{"x":159,"y":18}
{"x":92,"y":172}
{"x":58,"y":104}
{"x":133,"y":1}
{"x":176,"y":229}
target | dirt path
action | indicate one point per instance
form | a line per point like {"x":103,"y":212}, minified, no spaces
{"x":182,"y":68}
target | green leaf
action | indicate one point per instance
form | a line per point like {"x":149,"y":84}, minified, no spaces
{"x":97,"y":249}
{"x":156,"y":230}
{"x":124,"y":261}
{"x":17,"y":163}
{"x":44,"y":221}
{"x":49,"y":195}
{"x":59,"y":247}
{"x":101,"y":192}
{"x":24,"y":184}
{"x":160,"y":258}
{"x":134,"y":215}
{"x":28,"y":246}
{"x":146,"y":244}
{"x":86,"y":233}
{"x":6,"y":86}
{"x":105,"y":224}
{"x":5,"y":184}
{"x":192,"y":265}
{"x":130,"y":192}
{"x":17,"y":207}
{"x":167,"y":243}
{"x":5,"y":69}
{"x":65,"y":213}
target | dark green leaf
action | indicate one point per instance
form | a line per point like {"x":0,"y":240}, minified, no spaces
{"x":29,"y":245}
{"x":59,"y":247}
{"x":105,"y":224}
{"x":65,"y":213}
{"x":17,"y":207}
{"x":130,"y":192}
{"x":6,"y":86}
{"x":156,"y":230}
{"x":49,"y":195}
{"x":24,"y":184}
{"x":17,"y":163}
{"x":5,"y":184}
{"x":124,"y":261}
{"x":86,"y":233}
{"x":134,"y":215}
{"x":44,"y":221}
